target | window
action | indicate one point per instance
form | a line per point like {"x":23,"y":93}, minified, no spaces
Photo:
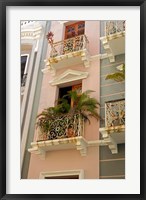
{"x":24,"y":61}
{"x":65,"y":174}
{"x":74,"y":37}
{"x":74,"y":29}
{"x":63,"y":91}
{"x":78,"y":88}
{"x":63,"y":177}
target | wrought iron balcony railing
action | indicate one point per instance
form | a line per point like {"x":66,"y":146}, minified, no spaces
{"x":115,"y":113}
{"x":65,"y":126}
{"x":23,"y":80}
{"x":69,"y":45}
{"x":113,"y":27}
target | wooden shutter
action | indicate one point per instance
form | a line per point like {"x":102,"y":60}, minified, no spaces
{"x":74,"y":29}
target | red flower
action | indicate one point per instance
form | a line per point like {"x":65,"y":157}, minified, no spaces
{"x":49,"y":37}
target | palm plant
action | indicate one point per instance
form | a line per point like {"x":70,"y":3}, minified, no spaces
{"x":83,"y":104}
{"x":117,"y":76}
{"x":49,"y":114}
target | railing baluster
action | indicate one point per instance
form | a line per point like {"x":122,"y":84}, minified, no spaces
{"x":59,"y":127}
{"x":76,"y":43}
{"x":113,"y":27}
{"x":115,"y":113}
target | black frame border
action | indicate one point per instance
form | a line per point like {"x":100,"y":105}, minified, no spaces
{"x":3,"y":6}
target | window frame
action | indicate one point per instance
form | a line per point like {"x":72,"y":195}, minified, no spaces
{"x":26,"y":64}
{"x":78,"y":172}
{"x":75,"y":24}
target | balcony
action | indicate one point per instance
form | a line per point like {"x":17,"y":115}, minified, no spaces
{"x":72,"y":51}
{"x":30,"y":30}
{"x":115,"y":27}
{"x":115,"y":113}
{"x":114,"y":39}
{"x":114,"y":131}
{"x":65,"y":132}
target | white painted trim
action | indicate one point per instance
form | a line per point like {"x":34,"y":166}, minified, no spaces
{"x":106,"y":133}
{"x":63,"y":22}
{"x":37,"y":45}
{"x":79,"y":143}
{"x":27,"y":23}
{"x":31,"y":32}
{"x":26,"y":64}
{"x":41,"y":147}
{"x":76,"y":75}
{"x":79,"y":172}
{"x":105,"y":42}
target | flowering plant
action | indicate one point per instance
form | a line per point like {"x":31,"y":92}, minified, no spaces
{"x":50,"y":37}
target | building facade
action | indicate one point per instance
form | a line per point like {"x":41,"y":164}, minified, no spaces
{"x":75,"y":55}
{"x":112,"y":101}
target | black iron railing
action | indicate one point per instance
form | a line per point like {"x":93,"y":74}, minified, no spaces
{"x":65,"y":126}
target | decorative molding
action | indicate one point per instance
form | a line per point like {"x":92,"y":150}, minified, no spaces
{"x":113,"y":160}
{"x":113,"y":176}
{"x":27,"y":23}
{"x":96,"y":143}
{"x":110,"y":136}
{"x":79,"y":172}
{"x":85,"y":58}
{"x":79,"y":143}
{"x":118,"y":93}
{"x":105,"y":41}
{"x":69,"y":76}
{"x":63,"y":21}
{"x":81,"y":146}
{"x":52,"y":62}
{"x":31,"y":32}
{"x":40,"y":148}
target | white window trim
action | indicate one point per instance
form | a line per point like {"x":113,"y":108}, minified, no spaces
{"x":26,"y":64}
{"x":74,"y":76}
{"x":79,"y":172}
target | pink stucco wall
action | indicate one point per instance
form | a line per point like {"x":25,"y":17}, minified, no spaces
{"x":92,"y":31}
{"x":66,"y":160}
{"x":71,"y":158}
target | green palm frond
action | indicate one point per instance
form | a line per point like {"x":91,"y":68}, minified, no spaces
{"x":84,"y":105}
{"x":117,"y":76}
{"x":72,"y":94}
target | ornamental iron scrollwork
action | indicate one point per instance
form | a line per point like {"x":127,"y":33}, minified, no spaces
{"x":115,"y":113}
{"x":73,"y":44}
{"x":113,"y":27}
{"x":63,"y":127}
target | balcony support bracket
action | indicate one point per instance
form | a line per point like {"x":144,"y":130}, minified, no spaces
{"x":42,"y":147}
{"x":113,"y":136}
{"x":81,"y":146}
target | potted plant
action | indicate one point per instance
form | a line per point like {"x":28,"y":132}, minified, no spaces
{"x":83,"y":106}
